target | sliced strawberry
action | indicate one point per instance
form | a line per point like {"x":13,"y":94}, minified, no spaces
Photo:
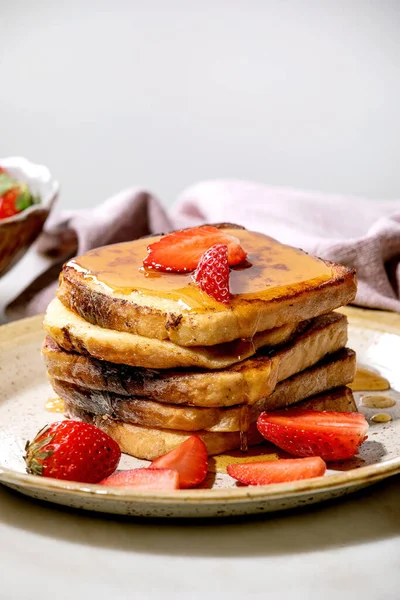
{"x":190,"y":459}
{"x":277,"y":471}
{"x":330,"y":435}
{"x":212,"y":274}
{"x":157,"y":479}
{"x":181,"y":251}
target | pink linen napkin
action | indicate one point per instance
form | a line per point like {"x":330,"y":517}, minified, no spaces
{"x":128,"y":215}
{"x":364,"y":234}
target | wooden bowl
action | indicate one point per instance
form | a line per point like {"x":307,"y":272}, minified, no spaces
{"x":18,"y":232}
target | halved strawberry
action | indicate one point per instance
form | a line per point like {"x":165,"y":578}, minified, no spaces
{"x":190,"y":459}
{"x":212,"y":274}
{"x":181,"y":251}
{"x":277,"y":471}
{"x":330,"y":435}
{"x":161,"y":479}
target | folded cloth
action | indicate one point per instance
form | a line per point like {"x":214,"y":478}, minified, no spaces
{"x":356,"y":232}
{"x":128,"y":215}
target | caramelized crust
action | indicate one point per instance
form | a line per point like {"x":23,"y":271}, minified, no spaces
{"x":150,"y":443}
{"x":164,"y":318}
{"x":245,"y":382}
{"x":336,"y":370}
{"x":75,"y":334}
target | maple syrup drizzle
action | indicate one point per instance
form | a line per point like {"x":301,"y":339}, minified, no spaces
{"x":377,"y":401}
{"x":273,"y":270}
{"x":54,"y":405}
{"x":369,"y":381}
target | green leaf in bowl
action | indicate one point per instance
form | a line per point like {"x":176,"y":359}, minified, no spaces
{"x":6,"y":183}
{"x":24,"y":199}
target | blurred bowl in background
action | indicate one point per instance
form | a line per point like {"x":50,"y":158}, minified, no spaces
{"x":18,"y":232}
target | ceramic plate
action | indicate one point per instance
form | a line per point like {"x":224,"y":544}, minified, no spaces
{"x":24,"y":391}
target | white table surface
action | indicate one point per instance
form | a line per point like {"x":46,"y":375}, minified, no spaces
{"x":344,"y":549}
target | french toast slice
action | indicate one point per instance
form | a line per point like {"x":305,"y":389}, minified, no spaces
{"x":75,"y":334}
{"x":245,"y":382}
{"x":333,"y":371}
{"x":150,"y":443}
{"x":280,"y":284}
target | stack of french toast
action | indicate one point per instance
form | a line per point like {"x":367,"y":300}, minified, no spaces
{"x":198,"y":332}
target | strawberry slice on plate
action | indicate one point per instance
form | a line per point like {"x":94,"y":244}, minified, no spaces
{"x":157,"y":479}
{"x":330,"y":435}
{"x":212,"y":274}
{"x":181,"y":251}
{"x":277,"y":471}
{"x":190,"y":459}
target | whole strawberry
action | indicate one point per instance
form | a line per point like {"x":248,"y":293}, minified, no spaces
{"x":74,"y":451}
{"x":212,"y":273}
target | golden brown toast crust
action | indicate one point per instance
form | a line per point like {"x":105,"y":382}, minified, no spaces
{"x":150,"y":443}
{"x":335,"y":370}
{"x":243,"y":319}
{"x":77,"y":335}
{"x":246,"y":382}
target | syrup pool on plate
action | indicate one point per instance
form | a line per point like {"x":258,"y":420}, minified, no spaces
{"x":381,"y":418}
{"x":371,"y":381}
{"x":376,"y":401}
{"x":367,"y":380}
{"x":54,"y":405}
{"x":219,"y":462}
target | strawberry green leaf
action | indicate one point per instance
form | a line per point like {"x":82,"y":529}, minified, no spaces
{"x":6,"y":183}
{"x":24,"y":199}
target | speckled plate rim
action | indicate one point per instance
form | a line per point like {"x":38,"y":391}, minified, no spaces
{"x":386,"y":322}
{"x":355,"y":478}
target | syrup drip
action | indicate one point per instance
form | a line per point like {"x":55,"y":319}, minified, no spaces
{"x":377,"y":401}
{"x":244,"y":426}
{"x":54,"y":405}
{"x":369,"y":381}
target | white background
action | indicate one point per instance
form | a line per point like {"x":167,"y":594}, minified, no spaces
{"x":164,"y":93}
